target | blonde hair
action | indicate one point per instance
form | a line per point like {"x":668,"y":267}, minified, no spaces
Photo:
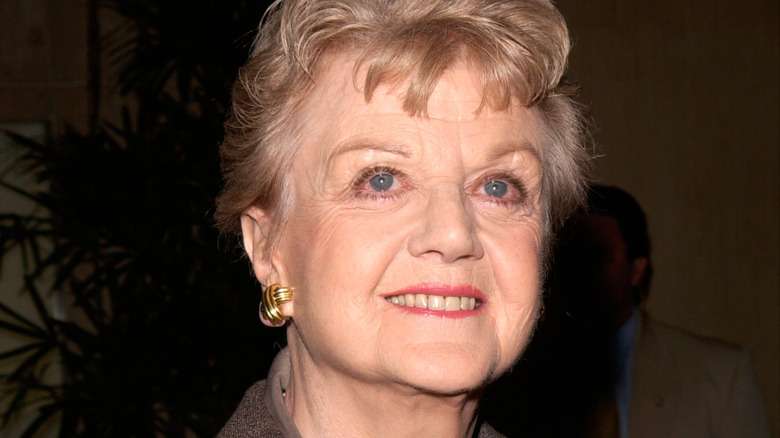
{"x":519,"y":49}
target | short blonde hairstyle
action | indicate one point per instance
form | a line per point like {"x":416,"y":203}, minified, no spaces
{"x":518,"y":48}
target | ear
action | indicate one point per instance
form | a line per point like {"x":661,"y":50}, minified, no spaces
{"x":638,"y":268}
{"x":255,"y":230}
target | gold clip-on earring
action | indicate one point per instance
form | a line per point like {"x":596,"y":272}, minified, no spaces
{"x":273,"y":296}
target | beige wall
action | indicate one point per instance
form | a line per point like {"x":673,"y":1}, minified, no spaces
{"x":44,"y":54}
{"x":685,"y":94}
{"x":43,"y":62}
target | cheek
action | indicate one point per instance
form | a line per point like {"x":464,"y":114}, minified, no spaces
{"x":515,"y":257}
{"x":515,"y":254}
{"x":333,"y":243}
{"x":335,"y":259}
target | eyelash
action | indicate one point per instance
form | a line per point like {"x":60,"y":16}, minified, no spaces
{"x":512,"y":180}
{"x":514,"y":183}
{"x":369,"y":173}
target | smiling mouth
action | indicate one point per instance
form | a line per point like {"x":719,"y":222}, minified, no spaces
{"x":434,"y":302}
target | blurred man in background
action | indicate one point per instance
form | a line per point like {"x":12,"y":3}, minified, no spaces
{"x":643,"y":378}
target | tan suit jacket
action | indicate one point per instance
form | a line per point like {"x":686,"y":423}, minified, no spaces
{"x":687,"y":386}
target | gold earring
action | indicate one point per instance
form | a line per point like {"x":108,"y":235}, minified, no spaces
{"x":273,"y":296}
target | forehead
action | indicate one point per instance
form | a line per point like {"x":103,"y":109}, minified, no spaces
{"x":337,"y":79}
{"x":338,"y":102}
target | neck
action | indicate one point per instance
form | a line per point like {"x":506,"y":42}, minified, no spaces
{"x":622,"y":316}
{"x":326,"y":403}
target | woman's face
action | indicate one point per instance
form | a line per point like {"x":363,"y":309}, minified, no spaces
{"x":413,"y":243}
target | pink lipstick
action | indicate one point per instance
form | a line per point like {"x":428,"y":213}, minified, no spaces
{"x":438,"y":299}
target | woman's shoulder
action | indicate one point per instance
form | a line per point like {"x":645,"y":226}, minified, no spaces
{"x":487,"y":431}
{"x":252,"y":418}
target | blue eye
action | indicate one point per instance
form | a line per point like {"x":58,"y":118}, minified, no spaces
{"x":497,"y":189}
{"x":382,"y":182}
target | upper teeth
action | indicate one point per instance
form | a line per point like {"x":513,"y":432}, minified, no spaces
{"x":434,"y":302}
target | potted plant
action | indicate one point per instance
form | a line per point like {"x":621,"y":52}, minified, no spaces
{"x":160,"y":336}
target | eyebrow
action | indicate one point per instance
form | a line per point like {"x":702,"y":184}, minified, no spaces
{"x":512,"y":147}
{"x":500,"y":151}
{"x":362,"y":145}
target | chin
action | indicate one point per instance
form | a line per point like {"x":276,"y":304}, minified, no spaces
{"x":448,"y":370}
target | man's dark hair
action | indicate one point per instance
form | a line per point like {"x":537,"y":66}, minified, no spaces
{"x":620,"y":205}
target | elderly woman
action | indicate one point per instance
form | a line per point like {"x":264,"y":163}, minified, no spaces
{"x":396,"y":169}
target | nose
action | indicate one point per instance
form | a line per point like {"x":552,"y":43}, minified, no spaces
{"x":447,"y":228}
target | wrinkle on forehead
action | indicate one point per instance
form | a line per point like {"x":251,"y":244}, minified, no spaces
{"x":457,"y":95}
{"x":337,"y":103}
